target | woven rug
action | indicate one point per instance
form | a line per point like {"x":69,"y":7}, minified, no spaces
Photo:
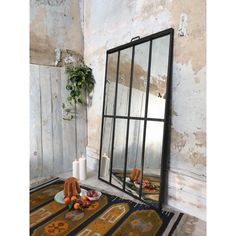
{"x":110,"y":215}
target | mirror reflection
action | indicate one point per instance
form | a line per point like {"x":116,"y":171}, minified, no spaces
{"x":139,"y":84}
{"x":106,"y":148}
{"x":119,"y":153}
{"x":123,"y":82}
{"x":110,"y":83}
{"x":132,"y":156}
{"x":158,"y":77}
{"x":152,"y":161}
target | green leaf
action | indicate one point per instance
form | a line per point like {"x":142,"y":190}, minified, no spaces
{"x":77,"y":93}
{"x":72,"y":93}
{"x":81,"y":74}
{"x":80,"y":78}
{"x":70,"y":205}
{"x":80,"y":99}
{"x":68,"y":87}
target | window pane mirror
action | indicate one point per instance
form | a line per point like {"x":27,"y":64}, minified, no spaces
{"x":134,"y":147}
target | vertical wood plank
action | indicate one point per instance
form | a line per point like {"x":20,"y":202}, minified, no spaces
{"x":187,"y":202}
{"x":47,"y":123}
{"x":81,"y":126}
{"x":35,"y":124}
{"x":55,"y":73}
{"x":187,"y":193}
{"x":68,"y":130}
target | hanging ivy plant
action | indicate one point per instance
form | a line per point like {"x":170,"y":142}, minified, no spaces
{"x":80,"y":80}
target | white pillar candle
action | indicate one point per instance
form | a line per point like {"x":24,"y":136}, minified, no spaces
{"x":75,"y":169}
{"x":82,"y":168}
{"x":105,"y":165}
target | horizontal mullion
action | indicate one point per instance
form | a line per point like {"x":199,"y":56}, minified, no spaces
{"x":134,"y":118}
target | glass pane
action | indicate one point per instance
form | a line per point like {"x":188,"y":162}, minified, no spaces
{"x":133,"y":172}
{"x":124,"y":82}
{"x":106,"y":148}
{"x":140,"y":70}
{"x":152,"y":161}
{"x":158,"y":77}
{"x":111,"y":83}
{"x":119,"y":153}
{"x":152,"y":151}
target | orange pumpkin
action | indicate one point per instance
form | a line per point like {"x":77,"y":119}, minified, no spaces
{"x":73,"y":198}
{"x":67,"y":200}
{"x":76,"y":205}
{"x":84,"y":198}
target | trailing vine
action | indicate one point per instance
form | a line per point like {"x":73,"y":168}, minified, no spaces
{"x":80,"y":81}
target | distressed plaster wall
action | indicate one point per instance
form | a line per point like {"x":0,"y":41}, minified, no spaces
{"x":54,"y":141}
{"x":55,"y":24}
{"x":111,"y":23}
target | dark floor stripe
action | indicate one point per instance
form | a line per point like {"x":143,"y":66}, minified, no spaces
{"x":42,"y":204}
{"x":40,"y":186}
{"x":175,"y":224}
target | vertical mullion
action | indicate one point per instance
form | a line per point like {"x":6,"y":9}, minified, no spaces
{"x":167,"y":124}
{"x":114,"y":119}
{"x":145,"y":117}
{"x":128,"y":118}
{"x":104,"y":98}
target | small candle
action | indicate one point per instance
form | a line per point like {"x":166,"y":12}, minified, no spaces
{"x":82,"y":168}
{"x":75,"y":169}
{"x":105,"y":165}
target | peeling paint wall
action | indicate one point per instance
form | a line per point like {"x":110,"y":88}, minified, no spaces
{"x":111,"y":23}
{"x":56,"y":37}
{"x":88,"y":28}
{"x":55,"y":24}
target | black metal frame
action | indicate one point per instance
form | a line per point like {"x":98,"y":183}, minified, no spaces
{"x":166,"y":120}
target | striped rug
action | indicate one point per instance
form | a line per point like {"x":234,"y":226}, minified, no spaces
{"x":111,"y":215}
